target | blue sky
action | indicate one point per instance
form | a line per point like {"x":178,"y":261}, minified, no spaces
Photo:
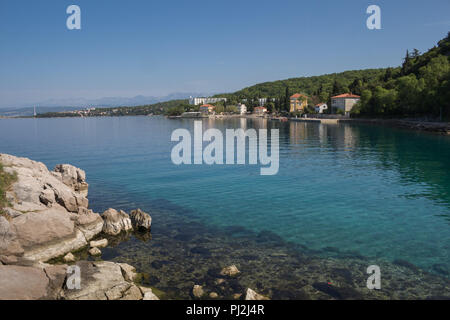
{"x":153,"y":48}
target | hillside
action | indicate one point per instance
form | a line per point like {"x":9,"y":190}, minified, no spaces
{"x":420,"y":86}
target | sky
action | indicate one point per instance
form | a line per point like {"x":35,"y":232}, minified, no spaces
{"x":154,"y":48}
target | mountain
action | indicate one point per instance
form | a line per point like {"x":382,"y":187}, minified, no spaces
{"x":61,"y":105}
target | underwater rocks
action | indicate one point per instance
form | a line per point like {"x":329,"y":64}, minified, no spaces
{"x":230,"y":271}
{"x":252,"y":295}
{"x":116,"y":221}
{"x":141,"y":220}
{"x":197,"y":291}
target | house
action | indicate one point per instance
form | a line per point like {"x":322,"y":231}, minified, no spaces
{"x":242,"y":108}
{"x":344,"y":102}
{"x":202,"y":100}
{"x":260,"y":110}
{"x":298,"y":102}
{"x":206,"y":108}
{"x":321,"y":107}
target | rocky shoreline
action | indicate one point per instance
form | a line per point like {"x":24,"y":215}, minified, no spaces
{"x":47,"y":221}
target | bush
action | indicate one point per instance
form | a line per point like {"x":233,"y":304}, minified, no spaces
{"x":6,"y":179}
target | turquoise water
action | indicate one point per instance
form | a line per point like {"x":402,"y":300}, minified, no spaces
{"x":378,"y":191}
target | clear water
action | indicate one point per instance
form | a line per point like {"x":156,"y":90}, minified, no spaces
{"x":382,"y":192}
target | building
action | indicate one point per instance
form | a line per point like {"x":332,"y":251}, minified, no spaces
{"x":321,"y":107}
{"x":202,"y":100}
{"x":344,"y":102}
{"x":206,"y":108}
{"x":298,"y":102}
{"x":242,"y":108}
{"x":262,"y":101}
{"x":260,"y":110}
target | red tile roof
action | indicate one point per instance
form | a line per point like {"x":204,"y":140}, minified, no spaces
{"x":260,"y":108}
{"x":346,"y":95}
{"x":298,"y":95}
{"x":207,"y":105}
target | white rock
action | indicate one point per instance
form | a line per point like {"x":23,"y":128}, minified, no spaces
{"x":69,"y":257}
{"x":102,"y":243}
{"x":95,"y":251}
{"x":252,"y":295}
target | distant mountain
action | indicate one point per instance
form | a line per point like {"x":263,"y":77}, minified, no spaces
{"x":61,"y":105}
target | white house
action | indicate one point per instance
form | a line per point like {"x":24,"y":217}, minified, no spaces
{"x":204,"y":100}
{"x":321,"y":107}
{"x":242,"y":108}
{"x":344,"y":102}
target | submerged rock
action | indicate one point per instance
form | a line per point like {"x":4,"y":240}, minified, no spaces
{"x":197,"y":291}
{"x":99,"y":243}
{"x":230,"y":271}
{"x":141,"y":220}
{"x":95,"y":251}
{"x":115,"y":222}
{"x":252,"y":295}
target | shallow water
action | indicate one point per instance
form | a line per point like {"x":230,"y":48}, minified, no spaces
{"x":351,"y":195}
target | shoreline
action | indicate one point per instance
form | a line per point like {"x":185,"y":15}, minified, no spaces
{"x":442,"y":128}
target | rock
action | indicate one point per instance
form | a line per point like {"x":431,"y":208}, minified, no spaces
{"x":197,"y":291}
{"x":252,"y":295}
{"x":9,"y":244}
{"x":95,"y":251}
{"x":47,"y":197}
{"x":100,"y":281}
{"x":99,"y":243}
{"x":237,"y":296}
{"x":57,"y":276}
{"x":148,"y":294}
{"x":115,"y":222}
{"x":141,"y":220}
{"x":133,"y":293}
{"x":230,"y":271}
{"x":22,"y":283}
{"x":69,"y":257}
{"x":213,"y":295}
{"x":47,"y":234}
{"x":219,"y":281}
{"x":72,"y":177}
{"x":48,"y":214}
{"x":128,"y":272}
{"x":88,"y":222}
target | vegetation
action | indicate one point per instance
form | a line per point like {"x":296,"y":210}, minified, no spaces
{"x":420,"y":87}
{"x":6,"y":179}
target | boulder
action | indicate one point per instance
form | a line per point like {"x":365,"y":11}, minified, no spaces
{"x":95,"y":251}
{"x":72,"y":177}
{"x":101,"y":281}
{"x":69,"y":257}
{"x":114,"y":222}
{"x":197,"y":291}
{"x":102,"y":243}
{"x":22,"y":283}
{"x":37,"y":188}
{"x":213,"y":295}
{"x":9,"y":244}
{"x":148,"y":294}
{"x":47,"y":234}
{"x":141,"y":220}
{"x":230,"y":271}
{"x":252,"y":295}
{"x":132,"y":293}
{"x":128,"y":272}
